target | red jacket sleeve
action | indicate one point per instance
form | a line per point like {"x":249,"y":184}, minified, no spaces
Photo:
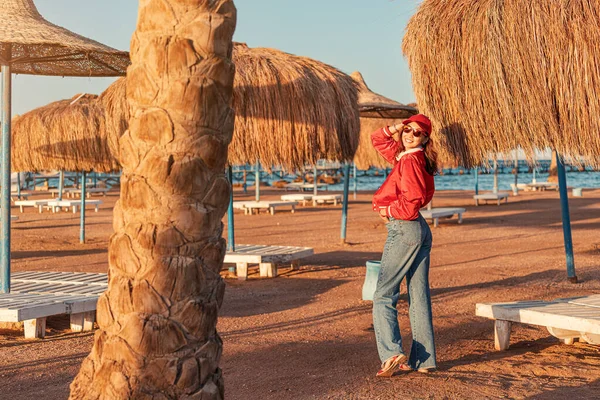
{"x":384,"y":144}
{"x":413,"y":190}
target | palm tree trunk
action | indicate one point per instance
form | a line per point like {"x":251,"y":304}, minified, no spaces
{"x":157,"y":320}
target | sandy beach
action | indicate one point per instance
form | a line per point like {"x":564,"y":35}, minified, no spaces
{"x":305,"y":334}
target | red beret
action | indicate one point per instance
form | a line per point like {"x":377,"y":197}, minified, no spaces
{"x":422,"y":120}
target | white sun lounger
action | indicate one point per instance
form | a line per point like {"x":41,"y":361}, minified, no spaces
{"x":19,"y":196}
{"x":250,"y":206}
{"x":40,"y":204}
{"x":327,"y":199}
{"x":267,"y":257}
{"x":35,"y":296}
{"x":566,"y":319}
{"x":88,"y":192}
{"x":491,"y":196}
{"x":73,"y":204}
{"x":303,"y":198}
{"x":442,"y":212}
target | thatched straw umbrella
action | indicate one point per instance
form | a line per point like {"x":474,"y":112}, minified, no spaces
{"x":291,"y":110}
{"x":495,"y":75}
{"x":31,"y":45}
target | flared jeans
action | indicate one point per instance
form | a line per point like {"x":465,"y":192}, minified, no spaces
{"x":406,"y":254}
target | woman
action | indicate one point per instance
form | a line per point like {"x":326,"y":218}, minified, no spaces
{"x":409,"y":187}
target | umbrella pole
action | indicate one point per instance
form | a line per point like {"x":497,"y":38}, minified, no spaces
{"x":516,"y":189}
{"x":61,"y":185}
{"x":495,"y":176}
{"x":315,"y":180}
{"x":355,"y":181}
{"x":345,"y":201}
{"x":476,"y":180}
{"x":257,"y":182}
{"x":230,"y":227}
{"x":566,"y":219}
{"x":82,"y":221}
{"x":6,"y":182}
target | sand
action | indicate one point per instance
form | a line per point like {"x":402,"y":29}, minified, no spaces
{"x":304,"y":334}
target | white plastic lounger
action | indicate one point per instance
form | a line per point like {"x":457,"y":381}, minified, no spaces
{"x":566,"y":319}
{"x":443,"y":212}
{"x":327,"y":199}
{"x":267,"y":257}
{"x":491,"y":196}
{"x":541,"y":186}
{"x":88,"y":192}
{"x":35,"y":296}
{"x":73,"y":204}
{"x":302,"y":198}
{"x":250,"y":206}
{"x":19,"y":196}
{"x":40,"y":204}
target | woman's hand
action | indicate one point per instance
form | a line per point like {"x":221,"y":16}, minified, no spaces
{"x":383,"y":214}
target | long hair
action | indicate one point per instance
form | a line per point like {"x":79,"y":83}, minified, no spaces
{"x":431,"y":164}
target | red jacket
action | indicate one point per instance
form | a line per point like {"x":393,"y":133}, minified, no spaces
{"x":409,"y":186}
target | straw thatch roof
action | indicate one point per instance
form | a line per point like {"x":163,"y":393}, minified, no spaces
{"x":374,"y":105}
{"x":376,"y":111}
{"x":289,"y":111}
{"x":32,"y":45}
{"x":494,"y":75}
{"x":63,"y":136}
{"x":366,"y":156}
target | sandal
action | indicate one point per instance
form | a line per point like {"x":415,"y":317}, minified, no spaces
{"x":391,"y":365}
{"x":426,"y":370}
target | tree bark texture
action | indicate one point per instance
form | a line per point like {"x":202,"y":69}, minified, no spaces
{"x":157,"y":320}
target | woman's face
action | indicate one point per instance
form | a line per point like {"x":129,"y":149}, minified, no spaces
{"x":409,"y":140}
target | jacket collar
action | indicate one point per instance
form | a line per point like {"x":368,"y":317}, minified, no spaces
{"x":402,"y":154}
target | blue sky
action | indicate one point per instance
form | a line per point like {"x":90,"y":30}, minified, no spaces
{"x":363,"y":35}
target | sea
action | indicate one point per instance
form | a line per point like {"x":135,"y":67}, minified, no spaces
{"x":450,"y":179}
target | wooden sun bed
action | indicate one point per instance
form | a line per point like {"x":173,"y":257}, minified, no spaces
{"x":327,"y":199}
{"x":73,"y":204}
{"x":305,"y":186}
{"x":35,"y":296}
{"x":250,"y":206}
{"x":88,"y":192}
{"x":302,"y":198}
{"x":491,"y":196}
{"x":19,"y":196}
{"x":443,"y":212}
{"x":267,"y":257}
{"x":40,"y":204}
{"x":566,"y":319}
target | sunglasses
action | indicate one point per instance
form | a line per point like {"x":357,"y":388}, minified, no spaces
{"x":415,"y":132}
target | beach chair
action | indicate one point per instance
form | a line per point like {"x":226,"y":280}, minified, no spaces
{"x":498,"y":197}
{"x":35,"y":296}
{"x":40,"y":204}
{"x":302,"y":198}
{"x":56,"y":205}
{"x":566,"y":319}
{"x":435,"y":214}
{"x":334,"y":199}
{"x":250,"y":207}
{"x":267,"y":258}
{"x":14,"y":196}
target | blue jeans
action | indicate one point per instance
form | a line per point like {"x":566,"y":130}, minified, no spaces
{"x":406,"y":254}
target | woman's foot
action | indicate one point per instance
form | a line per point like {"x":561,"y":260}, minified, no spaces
{"x":426,"y":370}
{"x":391,"y":365}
